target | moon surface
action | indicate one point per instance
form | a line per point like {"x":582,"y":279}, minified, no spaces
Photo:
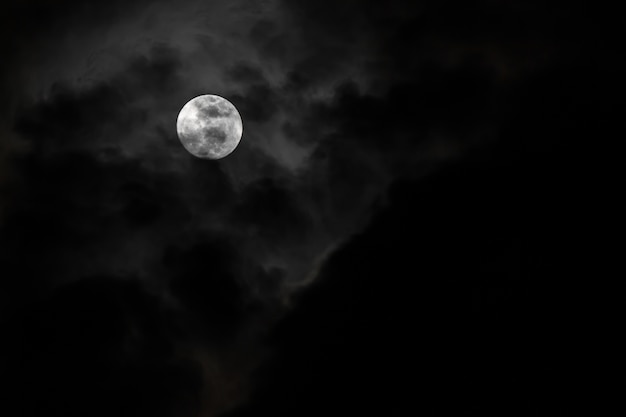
{"x":209,"y":127}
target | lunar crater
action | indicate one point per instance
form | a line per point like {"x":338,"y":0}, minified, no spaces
{"x":217,"y":133}
{"x":215,"y":111}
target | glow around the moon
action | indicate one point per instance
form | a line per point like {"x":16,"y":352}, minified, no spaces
{"x":209,"y":126}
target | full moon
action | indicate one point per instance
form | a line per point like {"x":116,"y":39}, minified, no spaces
{"x":209,"y":127}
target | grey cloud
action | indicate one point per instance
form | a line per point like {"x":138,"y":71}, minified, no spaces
{"x":243,"y":72}
{"x":332,"y":141}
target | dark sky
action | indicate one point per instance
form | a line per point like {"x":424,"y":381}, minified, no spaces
{"x":398,"y":233}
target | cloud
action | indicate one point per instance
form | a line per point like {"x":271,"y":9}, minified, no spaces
{"x":329,"y":124}
{"x":97,"y":347}
{"x":447,"y":300}
{"x":203,"y":279}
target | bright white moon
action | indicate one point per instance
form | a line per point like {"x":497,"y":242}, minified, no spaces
{"x":209,"y":127}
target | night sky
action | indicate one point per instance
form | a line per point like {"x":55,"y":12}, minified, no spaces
{"x":400,"y":232}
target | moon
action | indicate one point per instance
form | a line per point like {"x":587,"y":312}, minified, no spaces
{"x":209,"y":127}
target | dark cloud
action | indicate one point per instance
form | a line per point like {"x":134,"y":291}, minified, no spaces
{"x":462,"y":297}
{"x":246,"y":73}
{"x":104,"y":115}
{"x":265,"y":34}
{"x":272,"y":210}
{"x":258,"y":102}
{"x":97,"y":347}
{"x":204,"y":279}
{"x":457,"y":299}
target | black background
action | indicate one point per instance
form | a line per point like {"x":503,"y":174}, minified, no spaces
{"x":457,"y":185}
